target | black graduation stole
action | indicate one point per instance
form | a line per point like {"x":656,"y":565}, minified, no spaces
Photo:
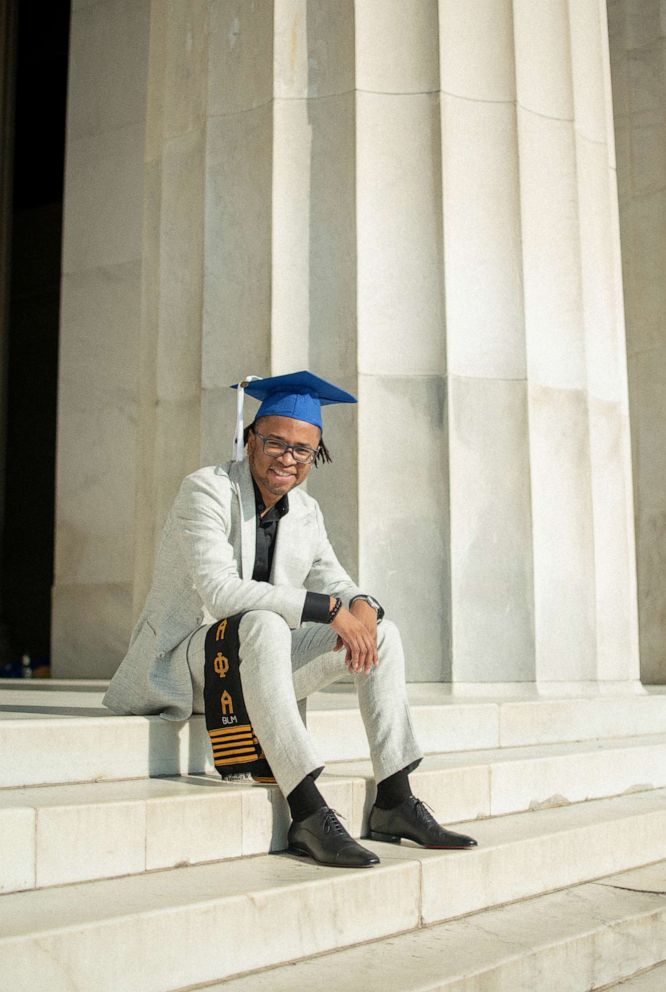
{"x":236,"y":749}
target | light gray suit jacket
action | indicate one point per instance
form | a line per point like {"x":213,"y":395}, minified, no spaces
{"x":203,"y":572}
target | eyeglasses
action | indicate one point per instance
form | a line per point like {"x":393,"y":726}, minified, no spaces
{"x":274,"y":447}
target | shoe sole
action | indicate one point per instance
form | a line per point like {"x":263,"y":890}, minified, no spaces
{"x":385,"y":838}
{"x":397,"y":839}
{"x":302,"y":853}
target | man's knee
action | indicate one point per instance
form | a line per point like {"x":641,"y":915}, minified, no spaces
{"x":265,"y":625}
{"x":389,"y":649}
{"x":388,"y":636}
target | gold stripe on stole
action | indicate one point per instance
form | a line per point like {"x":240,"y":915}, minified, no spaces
{"x":241,"y":728}
{"x":233,"y":745}
{"x":240,"y":759}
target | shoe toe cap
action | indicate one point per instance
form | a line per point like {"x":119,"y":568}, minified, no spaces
{"x":356,"y":856}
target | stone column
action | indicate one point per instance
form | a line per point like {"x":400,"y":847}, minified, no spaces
{"x":416,"y":199}
{"x":169,"y":394}
{"x":616,"y":657}
{"x":403,"y":530}
{"x":584,"y":590}
{"x":564,"y":581}
{"x":491,"y":541}
{"x":314,"y":254}
{"x":638,"y":59}
{"x":99,"y":385}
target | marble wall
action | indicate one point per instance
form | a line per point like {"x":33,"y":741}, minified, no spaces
{"x":418,"y":200}
{"x":638,"y":59}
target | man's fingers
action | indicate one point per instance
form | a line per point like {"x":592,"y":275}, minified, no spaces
{"x":355,"y":654}
{"x":360,"y":642}
{"x":366,"y":653}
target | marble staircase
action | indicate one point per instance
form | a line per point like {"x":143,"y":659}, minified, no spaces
{"x":126,"y":864}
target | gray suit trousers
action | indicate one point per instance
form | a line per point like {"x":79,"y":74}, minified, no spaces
{"x":280,"y":666}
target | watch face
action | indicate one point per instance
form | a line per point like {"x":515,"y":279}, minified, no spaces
{"x":374,"y":604}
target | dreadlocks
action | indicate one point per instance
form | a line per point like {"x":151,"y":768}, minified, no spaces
{"x":323,"y":454}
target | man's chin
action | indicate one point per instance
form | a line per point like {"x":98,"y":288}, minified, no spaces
{"x":279,"y":488}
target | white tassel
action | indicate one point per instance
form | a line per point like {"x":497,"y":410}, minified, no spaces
{"x":239,"y":447}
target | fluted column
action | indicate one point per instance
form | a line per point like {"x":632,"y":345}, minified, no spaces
{"x":415,"y":198}
{"x":638,"y":60}
{"x":98,"y":376}
{"x":236,"y":305}
{"x":617,"y":656}
{"x":313,"y":304}
{"x":169,"y":394}
{"x":584,"y":588}
{"x":491,"y":543}
{"x":555,"y":346}
{"x":403,"y":508}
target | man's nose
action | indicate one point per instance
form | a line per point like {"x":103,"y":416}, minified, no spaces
{"x":287,"y":458}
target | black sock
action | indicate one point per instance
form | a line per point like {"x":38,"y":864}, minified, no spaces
{"x":305,"y":799}
{"x":393,"y":790}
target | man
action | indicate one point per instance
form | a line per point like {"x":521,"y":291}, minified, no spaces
{"x":247,"y":585}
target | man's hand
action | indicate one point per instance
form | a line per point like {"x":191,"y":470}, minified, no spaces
{"x":357,"y":633}
{"x":367,"y":614}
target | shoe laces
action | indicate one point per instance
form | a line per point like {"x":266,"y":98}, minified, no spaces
{"x":423,"y":811}
{"x":332,"y":823}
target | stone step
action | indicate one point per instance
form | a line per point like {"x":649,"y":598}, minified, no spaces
{"x":652,"y":980}
{"x":127,"y":827}
{"x":578,"y":939}
{"x":510,"y":779}
{"x":131,"y":826}
{"x":56,"y":734}
{"x":168,"y":929}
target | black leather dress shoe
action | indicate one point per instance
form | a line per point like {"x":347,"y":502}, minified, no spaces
{"x":412,"y":820}
{"x":322,"y":837}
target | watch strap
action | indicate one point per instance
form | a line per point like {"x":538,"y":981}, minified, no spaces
{"x":371,"y":601}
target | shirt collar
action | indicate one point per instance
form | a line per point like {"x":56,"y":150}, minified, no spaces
{"x":276,"y":512}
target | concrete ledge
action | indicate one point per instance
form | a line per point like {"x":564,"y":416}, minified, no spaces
{"x":653,"y":980}
{"x":461,"y":786}
{"x":581,"y":938}
{"x":202,"y":923}
{"x":126,"y":827}
{"x":166,"y":930}
{"x":530,"y":853}
{"x":49,"y":735}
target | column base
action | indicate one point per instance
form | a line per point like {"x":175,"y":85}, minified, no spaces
{"x":531,"y":690}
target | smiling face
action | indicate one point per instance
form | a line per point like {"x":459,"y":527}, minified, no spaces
{"x":276,"y":476}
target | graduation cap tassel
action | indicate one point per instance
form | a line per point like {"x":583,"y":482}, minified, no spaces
{"x":239,"y":447}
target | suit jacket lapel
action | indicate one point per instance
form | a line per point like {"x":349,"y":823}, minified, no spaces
{"x":242,"y":480}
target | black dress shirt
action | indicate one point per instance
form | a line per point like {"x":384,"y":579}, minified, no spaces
{"x":316,"y":606}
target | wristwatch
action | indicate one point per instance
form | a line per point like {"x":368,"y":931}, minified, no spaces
{"x":371,"y":602}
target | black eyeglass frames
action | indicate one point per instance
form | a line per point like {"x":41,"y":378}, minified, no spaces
{"x":274,"y":447}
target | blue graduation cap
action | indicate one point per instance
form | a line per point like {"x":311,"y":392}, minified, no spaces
{"x":299,"y":395}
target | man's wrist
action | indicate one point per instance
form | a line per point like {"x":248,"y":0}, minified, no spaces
{"x":335,"y":609}
{"x":371,"y":601}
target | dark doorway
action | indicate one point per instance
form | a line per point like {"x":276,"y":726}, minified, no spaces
{"x":35,"y":57}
